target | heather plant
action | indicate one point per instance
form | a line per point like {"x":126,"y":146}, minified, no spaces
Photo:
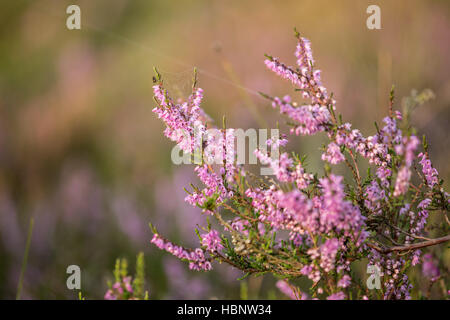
{"x":125,"y":287}
{"x":308,"y":224}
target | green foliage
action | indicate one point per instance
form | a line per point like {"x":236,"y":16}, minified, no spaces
{"x":139,"y":278}
{"x":129,"y":289}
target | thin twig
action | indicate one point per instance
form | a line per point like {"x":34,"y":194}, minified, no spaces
{"x":410,"y":247}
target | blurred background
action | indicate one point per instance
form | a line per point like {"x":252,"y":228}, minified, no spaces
{"x":82,"y":153}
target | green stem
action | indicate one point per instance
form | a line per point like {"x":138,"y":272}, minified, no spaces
{"x":25,"y":258}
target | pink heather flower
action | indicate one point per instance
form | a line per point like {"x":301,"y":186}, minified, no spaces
{"x":348,"y":137}
{"x":302,"y":179}
{"x":374,"y":197}
{"x":407,"y":148}
{"x":416,"y":258}
{"x":180,"y":119}
{"x":286,"y":289}
{"x":318,"y":217}
{"x":430,"y":173}
{"x":286,"y":72}
{"x":333,"y":154}
{"x":345,"y":281}
{"x":284,"y":169}
{"x":306,"y":79}
{"x":328,"y":253}
{"x":429,"y":267}
{"x":306,"y":270}
{"x":310,"y":118}
{"x":277,"y":142}
{"x":127,"y":284}
{"x":383,"y":174}
{"x":109,"y":295}
{"x":402,"y":182}
{"x":214,"y":185}
{"x":305,"y":60}
{"x":212,"y":241}
{"x":410,"y":148}
{"x":390,"y":133}
{"x":335,"y":212}
{"x":337,"y":296}
{"x":230,"y":154}
{"x":424,"y":204}
{"x":118,"y":289}
{"x":296,"y":238}
{"x":196,"y":258}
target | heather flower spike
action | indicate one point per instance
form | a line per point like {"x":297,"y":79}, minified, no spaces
{"x":124,"y":286}
{"x":304,"y":224}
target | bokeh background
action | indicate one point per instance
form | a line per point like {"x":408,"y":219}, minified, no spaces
{"x":82,"y":153}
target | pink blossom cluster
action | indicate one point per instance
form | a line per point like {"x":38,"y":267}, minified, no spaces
{"x":285,"y":170}
{"x":375,"y":197}
{"x":305,"y":78}
{"x":326,"y":222}
{"x":392,"y":268}
{"x":430,"y":173}
{"x":119,"y":289}
{"x":181,"y":119}
{"x":289,"y":291}
{"x":185,"y":126}
{"x":309,"y":119}
{"x":337,"y":296}
{"x":212,"y":241}
{"x":406,"y":149}
{"x":196,"y":258}
{"x":429,"y":267}
{"x":243,"y":226}
{"x":333,"y":154}
{"x":214,"y":184}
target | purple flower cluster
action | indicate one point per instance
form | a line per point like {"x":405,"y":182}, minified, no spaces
{"x":322,"y":215}
{"x":402,"y":182}
{"x":119,"y":289}
{"x":328,"y":252}
{"x":213,"y":185}
{"x":304,"y":56}
{"x":337,"y":214}
{"x":337,"y":296}
{"x":430,"y":173}
{"x":392,"y":268}
{"x":405,"y":149}
{"x":324,"y":223}
{"x":333,"y":154}
{"x":289,"y":291}
{"x":429,"y":267}
{"x":345,"y":281}
{"x":375,"y":197}
{"x":212,"y":241}
{"x":285,"y":170}
{"x":196,"y":258}
{"x":181,"y":119}
{"x":310,"y":118}
{"x":304,"y":78}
